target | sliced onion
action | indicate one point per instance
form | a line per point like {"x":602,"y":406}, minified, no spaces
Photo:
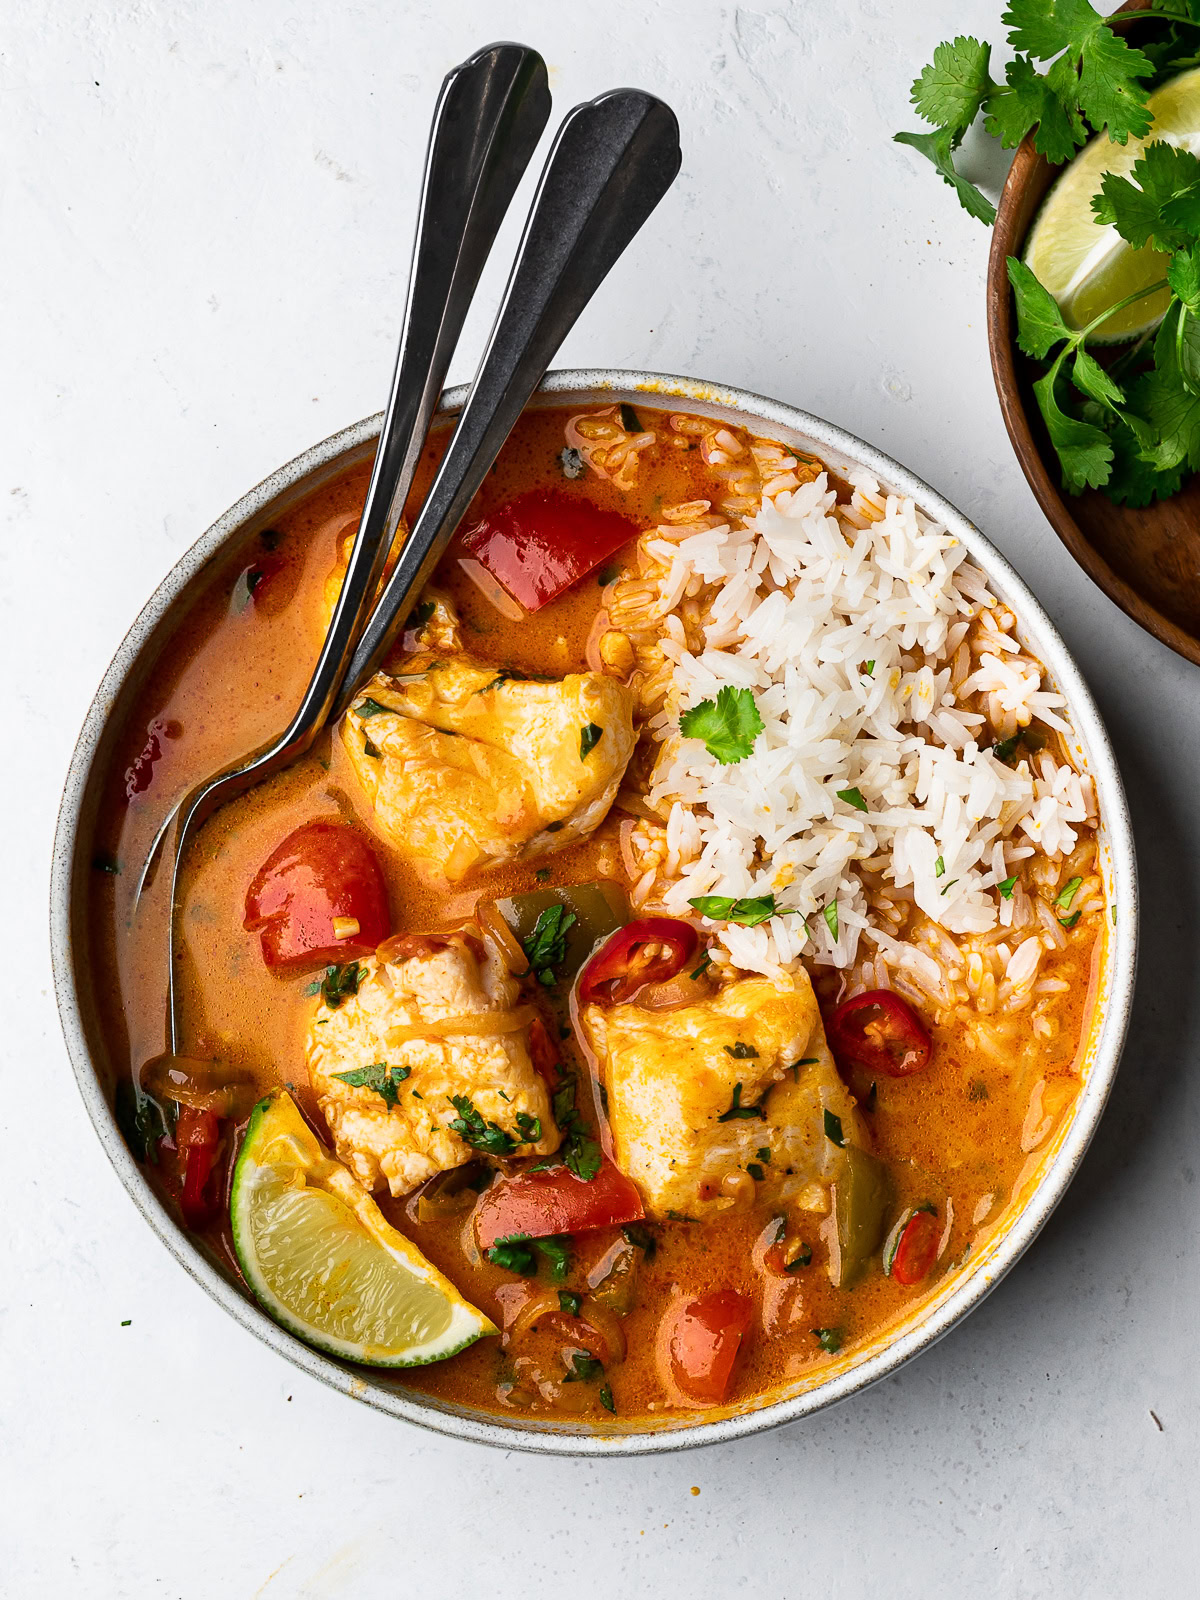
{"x":475,"y":1025}
{"x":681,"y":990}
{"x":203,"y":1085}
{"x":592,"y":1318}
{"x":499,"y":936}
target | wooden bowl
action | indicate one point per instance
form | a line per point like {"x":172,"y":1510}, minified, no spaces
{"x":1147,"y":560}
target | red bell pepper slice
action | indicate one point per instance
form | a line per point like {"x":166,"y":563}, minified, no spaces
{"x":703,"y":1341}
{"x":622,"y":966}
{"x":917,"y":1248}
{"x":322,"y":871}
{"x":197,"y":1136}
{"x":880,"y":1033}
{"x":538,"y":1204}
{"x":542,"y":542}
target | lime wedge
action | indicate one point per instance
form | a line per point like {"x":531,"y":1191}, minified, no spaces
{"x":323,"y":1260}
{"x":1087,"y":267}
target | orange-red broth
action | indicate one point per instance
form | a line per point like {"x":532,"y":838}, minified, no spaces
{"x":227,"y":680}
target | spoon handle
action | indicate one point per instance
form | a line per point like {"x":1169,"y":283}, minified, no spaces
{"x":611,"y":164}
{"x":490,"y":114}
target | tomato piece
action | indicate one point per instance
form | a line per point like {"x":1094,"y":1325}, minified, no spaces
{"x":538,"y":1204}
{"x":917,"y":1249}
{"x":623,"y":964}
{"x":197,"y":1136}
{"x":321,"y":872}
{"x":542,"y":542}
{"x":703,"y":1341}
{"x":880,"y":1033}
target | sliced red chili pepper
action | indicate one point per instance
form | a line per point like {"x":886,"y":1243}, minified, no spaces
{"x":703,"y":1340}
{"x":544,"y":541}
{"x":624,"y":963}
{"x":321,"y":880}
{"x":197,"y":1136}
{"x":880,"y":1033}
{"x":537,"y":1204}
{"x":917,"y":1249}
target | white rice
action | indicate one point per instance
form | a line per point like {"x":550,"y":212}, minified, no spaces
{"x":880,"y":662}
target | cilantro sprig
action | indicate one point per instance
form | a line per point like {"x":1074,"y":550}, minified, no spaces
{"x":728,"y":725}
{"x":1072,"y":74}
{"x":1129,"y":427}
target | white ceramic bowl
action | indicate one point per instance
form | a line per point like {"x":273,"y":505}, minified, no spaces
{"x":72,"y":856}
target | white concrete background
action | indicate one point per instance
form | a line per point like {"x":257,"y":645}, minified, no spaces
{"x":206,"y":219}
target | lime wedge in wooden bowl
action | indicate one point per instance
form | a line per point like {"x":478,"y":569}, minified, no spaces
{"x":1086,"y":265}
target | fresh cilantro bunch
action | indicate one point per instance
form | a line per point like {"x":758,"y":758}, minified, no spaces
{"x":1132,"y":428}
{"x":1072,"y":76}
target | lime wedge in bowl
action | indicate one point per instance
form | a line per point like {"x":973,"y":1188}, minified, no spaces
{"x":1088,"y":266}
{"x":324,"y":1261}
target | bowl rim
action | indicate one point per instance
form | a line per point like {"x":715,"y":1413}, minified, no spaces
{"x":896,"y":1348}
{"x":1010,"y":393}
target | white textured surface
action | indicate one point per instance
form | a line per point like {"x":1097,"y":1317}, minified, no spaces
{"x":205,"y":213}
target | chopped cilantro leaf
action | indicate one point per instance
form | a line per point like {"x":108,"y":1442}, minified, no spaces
{"x":513,"y":1255}
{"x":833,"y":1128}
{"x":939,"y":867}
{"x":569,"y":1302}
{"x":379,"y":1076}
{"x":546,"y":946}
{"x":589,"y":738}
{"x":638,"y":1235}
{"x":1007,"y":886}
{"x":755,"y":1171}
{"x":728,"y":725}
{"x":747,"y":913}
{"x":741,"y":1051}
{"x":705,"y":963}
{"x":830,"y":1339}
{"x":338,"y":984}
{"x":763,"y":1152}
{"x":830,"y":914}
{"x":853,"y":797}
{"x":530,"y":1128}
{"x":370,"y":748}
{"x":474,"y":1131}
{"x":372,"y":708}
{"x":140,"y":1119}
{"x":606,"y":1399}
{"x":557,"y":1250}
{"x":1067,"y":893}
{"x":584,"y":1368}
{"x":738,"y":1112}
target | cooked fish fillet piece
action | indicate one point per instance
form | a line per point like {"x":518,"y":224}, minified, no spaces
{"x":754,"y":1055}
{"x":401,"y":1024}
{"x":466,"y":765}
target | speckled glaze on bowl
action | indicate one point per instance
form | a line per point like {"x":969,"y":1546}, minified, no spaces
{"x":850,"y":1373}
